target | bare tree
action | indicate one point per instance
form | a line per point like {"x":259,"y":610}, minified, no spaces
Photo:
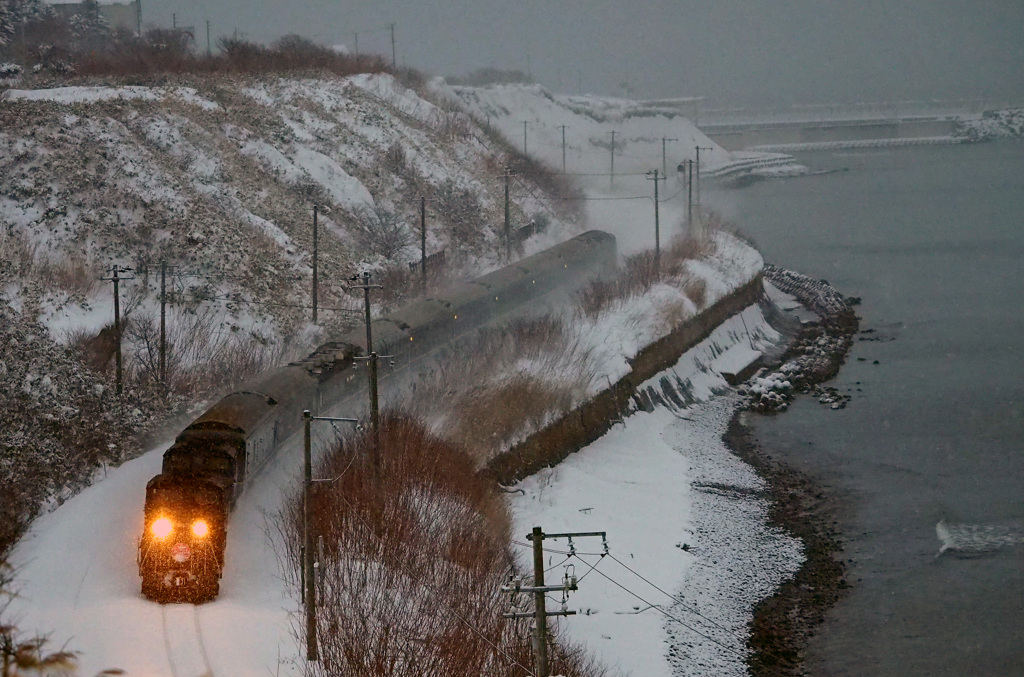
{"x":380,"y":231}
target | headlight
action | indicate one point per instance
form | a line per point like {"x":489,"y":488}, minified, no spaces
{"x":162,"y":528}
{"x":200,"y":528}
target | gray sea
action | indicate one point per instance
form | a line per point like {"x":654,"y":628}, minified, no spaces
{"x":928,"y":458}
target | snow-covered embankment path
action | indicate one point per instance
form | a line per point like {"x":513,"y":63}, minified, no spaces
{"x":680,"y":511}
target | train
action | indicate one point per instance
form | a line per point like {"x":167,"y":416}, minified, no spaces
{"x":181,"y":553}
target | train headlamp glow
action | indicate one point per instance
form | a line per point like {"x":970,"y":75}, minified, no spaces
{"x":162,"y":528}
{"x":200,"y":528}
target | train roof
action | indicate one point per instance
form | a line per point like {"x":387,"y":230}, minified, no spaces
{"x":238,"y":412}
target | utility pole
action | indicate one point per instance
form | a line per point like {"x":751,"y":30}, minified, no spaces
{"x":394,"y":61}
{"x":174,"y":21}
{"x":307,"y":539}
{"x":316,"y":279}
{"x":539,"y":602}
{"x":163,"y":321}
{"x":423,"y":244}
{"x":372,"y":357}
{"x":524,"y":137}
{"x":612,"y":174}
{"x":357,"y":45}
{"x":138,"y":16}
{"x":664,"y":157}
{"x":689,"y":194}
{"x":115,"y":271}
{"x":209,"y":52}
{"x":508,"y":227}
{"x":540,"y":613}
{"x":563,"y":147}
{"x":700,"y":216}
{"x":657,"y":227}
{"x":308,"y":579}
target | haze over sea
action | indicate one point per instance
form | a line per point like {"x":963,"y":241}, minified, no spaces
{"x":932,"y":239}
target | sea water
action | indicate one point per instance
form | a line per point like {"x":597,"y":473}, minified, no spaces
{"x":928,"y":459}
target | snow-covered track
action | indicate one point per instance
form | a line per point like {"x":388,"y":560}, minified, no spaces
{"x":183,"y":638}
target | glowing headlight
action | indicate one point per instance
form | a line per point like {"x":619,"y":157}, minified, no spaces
{"x":200,"y":528}
{"x":162,"y":528}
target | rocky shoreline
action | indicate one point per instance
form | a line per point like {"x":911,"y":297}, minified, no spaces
{"x":783,"y":622}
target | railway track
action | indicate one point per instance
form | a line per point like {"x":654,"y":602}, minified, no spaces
{"x":183,"y":639}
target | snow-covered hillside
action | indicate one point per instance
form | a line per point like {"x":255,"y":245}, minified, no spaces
{"x":219,"y":177}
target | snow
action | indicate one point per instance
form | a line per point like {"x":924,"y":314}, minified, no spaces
{"x":77,"y":573}
{"x":707,"y":555}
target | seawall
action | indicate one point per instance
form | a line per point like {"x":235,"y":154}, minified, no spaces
{"x":594,"y":417}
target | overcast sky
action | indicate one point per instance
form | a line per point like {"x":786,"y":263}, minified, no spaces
{"x":733,"y":52}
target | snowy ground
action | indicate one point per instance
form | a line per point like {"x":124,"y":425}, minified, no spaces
{"x":656,"y":484}
{"x":689,"y":552}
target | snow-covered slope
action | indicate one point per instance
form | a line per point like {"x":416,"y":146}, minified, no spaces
{"x":219,"y":177}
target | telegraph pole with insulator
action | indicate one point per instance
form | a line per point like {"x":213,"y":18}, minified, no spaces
{"x":653,"y":176}
{"x":115,"y":277}
{"x":372,"y":357}
{"x":423,"y":245}
{"x":563,"y":127}
{"x":316,"y":280}
{"x":508,"y":223}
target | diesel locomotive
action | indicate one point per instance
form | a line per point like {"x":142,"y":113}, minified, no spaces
{"x":213,"y":461}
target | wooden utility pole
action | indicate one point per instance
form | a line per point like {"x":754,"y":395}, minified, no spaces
{"x":563,"y":147}
{"x":116,"y":278}
{"x":539,"y":603}
{"x":163,"y":321}
{"x":657,"y":227}
{"x":209,"y":51}
{"x":394,"y":60}
{"x":508,"y":225}
{"x":308,"y":579}
{"x":524,"y":137}
{"x":612,"y":172}
{"x":664,"y":157}
{"x":309,"y":594}
{"x":423,"y":245}
{"x":699,"y":232}
{"x":372,"y":357}
{"x":316,"y":279}
{"x":540,"y":613}
{"x":689,"y":195}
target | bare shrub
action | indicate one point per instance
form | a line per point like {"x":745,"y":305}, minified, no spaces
{"x":697,"y":291}
{"x":380,"y":232}
{"x":596,"y":296}
{"x":17,"y":254}
{"x":394,"y":158}
{"x":201,"y":358}
{"x":460,"y":211}
{"x":412,"y":554}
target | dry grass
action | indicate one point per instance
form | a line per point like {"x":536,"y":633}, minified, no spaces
{"x":504,"y":383}
{"x":76,"y":275}
{"x":413,"y":563}
{"x":639,"y":273}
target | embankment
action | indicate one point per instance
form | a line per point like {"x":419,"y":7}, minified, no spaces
{"x":594,"y":417}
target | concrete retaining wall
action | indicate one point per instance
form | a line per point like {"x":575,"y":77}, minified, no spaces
{"x":738,"y":137}
{"x":594,"y":417}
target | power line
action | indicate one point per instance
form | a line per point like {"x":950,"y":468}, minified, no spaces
{"x":665,"y":613}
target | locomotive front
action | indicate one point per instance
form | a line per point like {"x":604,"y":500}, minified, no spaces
{"x":181,"y":553}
